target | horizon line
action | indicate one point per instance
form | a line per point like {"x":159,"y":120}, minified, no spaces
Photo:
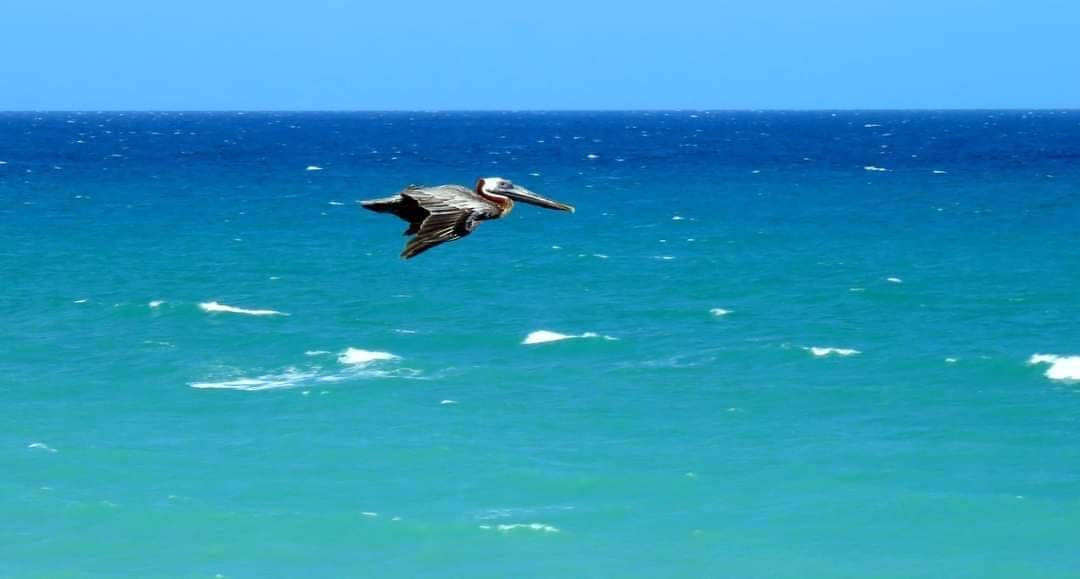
{"x":584,"y":110}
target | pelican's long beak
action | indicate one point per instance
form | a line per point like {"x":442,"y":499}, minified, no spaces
{"x":524,"y":195}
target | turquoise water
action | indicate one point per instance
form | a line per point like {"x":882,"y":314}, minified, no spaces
{"x":388,"y":419}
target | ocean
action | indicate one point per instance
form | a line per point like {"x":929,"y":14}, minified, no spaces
{"x":767,"y":345}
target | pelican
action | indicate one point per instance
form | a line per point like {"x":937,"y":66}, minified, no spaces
{"x":449,"y":212}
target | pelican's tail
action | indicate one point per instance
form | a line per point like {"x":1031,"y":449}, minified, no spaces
{"x":403,"y":206}
{"x":384,"y":205}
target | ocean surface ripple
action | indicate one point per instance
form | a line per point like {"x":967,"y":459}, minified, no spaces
{"x":768,"y":344}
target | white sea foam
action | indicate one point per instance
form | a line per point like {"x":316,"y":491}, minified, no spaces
{"x":318,"y":353}
{"x":156,"y":303}
{"x":592,"y":156}
{"x":538,"y":527}
{"x":939,"y":172}
{"x":894,"y":280}
{"x":873,"y":168}
{"x":1066,"y":368}
{"x":678,"y":218}
{"x":313,"y":168}
{"x":82,"y":301}
{"x":719,"y":312}
{"x":356,"y":356}
{"x":448,"y":402}
{"x":600,"y":256}
{"x":216,"y":307}
{"x":336,"y":203}
{"x":41,"y":446}
{"x":544,"y":336}
{"x":369,"y":514}
{"x":950,"y":360}
{"x":3,"y":162}
{"x":822,"y":351}
{"x":871,"y":125}
{"x":289,"y":378}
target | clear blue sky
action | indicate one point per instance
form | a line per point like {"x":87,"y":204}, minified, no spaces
{"x":554,"y":54}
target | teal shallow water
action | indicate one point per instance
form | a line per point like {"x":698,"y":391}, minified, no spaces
{"x":169,"y":440}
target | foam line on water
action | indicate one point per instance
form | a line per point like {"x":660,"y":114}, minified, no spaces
{"x":820,"y":351}
{"x":545,"y":336}
{"x":215,"y":307}
{"x":353,"y":363}
{"x":536,"y":527}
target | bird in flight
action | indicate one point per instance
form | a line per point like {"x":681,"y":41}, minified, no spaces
{"x":449,"y":212}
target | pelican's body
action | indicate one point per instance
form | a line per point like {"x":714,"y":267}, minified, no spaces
{"x":448,"y":212}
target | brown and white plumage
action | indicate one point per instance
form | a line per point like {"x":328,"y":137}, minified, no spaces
{"x":445,"y":213}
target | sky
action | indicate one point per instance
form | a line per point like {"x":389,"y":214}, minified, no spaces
{"x":550,"y":55}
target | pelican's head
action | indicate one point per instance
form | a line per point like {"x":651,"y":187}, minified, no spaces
{"x":504,"y":188}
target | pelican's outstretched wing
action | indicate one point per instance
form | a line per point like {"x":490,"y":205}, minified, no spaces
{"x":451,"y":212}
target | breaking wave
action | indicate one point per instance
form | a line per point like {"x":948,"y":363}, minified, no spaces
{"x":214,"y":307}
{"x":820,"y":351}
{"x":353,"y":363}
{"x":544,"y":336}
{"x":1066,"y":368}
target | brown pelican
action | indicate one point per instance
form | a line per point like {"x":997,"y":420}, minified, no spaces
{"x":448,"y":212}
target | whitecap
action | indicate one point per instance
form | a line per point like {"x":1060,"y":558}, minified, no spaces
{"x":544,"y":336}
{"x":600,"y":255}
{"x":42,"y":446}
{"x":293,"y":377}
{"x":939,"y":172}
{"x":318,"y":353}
{"x":369,"y":514}
{"x":289,"y":378}
{"x":448,"y":402}
{"x":216,"y":307}
{"x":894,"y":280}
{"x":358,"y":357}
{"x":538,"y":527}
{"x":719,"y":312}
{"x":950,"y":360}
{"x":871,"y":125}
{"x":822,"y":351}
{"x":3,"y":162}
{"x":156,"y":303}
{"x":873,"y":168}
{"x":1066,"y":368}
{"x":313,"y":168}
{"x":82,"y":301}
{"x":336,"y":203}
{"x":592,"y":156}
{"x":677,"y":218}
